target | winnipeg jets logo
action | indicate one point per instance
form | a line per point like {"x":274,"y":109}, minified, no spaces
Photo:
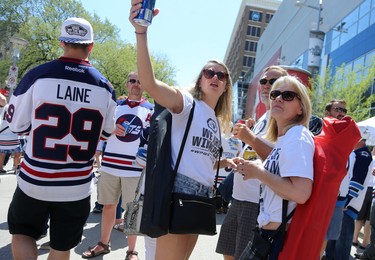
{"x":133,"y":127}
{"x":212,"y":125}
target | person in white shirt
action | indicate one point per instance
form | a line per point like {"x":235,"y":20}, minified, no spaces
{"x":287,"y":173}
{"x":237,"y":228}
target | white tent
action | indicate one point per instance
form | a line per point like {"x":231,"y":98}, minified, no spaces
{"x":370,"y":128}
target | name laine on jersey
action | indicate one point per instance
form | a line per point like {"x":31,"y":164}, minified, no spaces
{"x":74,"y":69}
{"x":73,"y":93}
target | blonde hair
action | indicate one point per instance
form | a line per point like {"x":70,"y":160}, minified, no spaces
{"x":304,"y":100}
{"x":223,"y":108}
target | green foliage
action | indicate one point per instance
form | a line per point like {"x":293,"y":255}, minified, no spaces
{"x":39,"y":23}
{"x":352,"y":86}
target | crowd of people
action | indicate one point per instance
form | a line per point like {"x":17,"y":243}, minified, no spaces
{"x":68,"y":133}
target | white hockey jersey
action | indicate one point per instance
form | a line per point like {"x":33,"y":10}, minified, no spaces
{"x":66,"y":106}
{"x":119,"y":154}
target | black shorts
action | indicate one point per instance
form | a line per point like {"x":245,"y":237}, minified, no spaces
{"x":364,"y":213}
{"x":28,"y":216}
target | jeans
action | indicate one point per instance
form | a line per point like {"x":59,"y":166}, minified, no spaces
{"x":340,"y":249}
{"x":186,"y":185}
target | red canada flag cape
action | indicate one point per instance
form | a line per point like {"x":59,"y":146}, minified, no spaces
{"x":306,"y":233}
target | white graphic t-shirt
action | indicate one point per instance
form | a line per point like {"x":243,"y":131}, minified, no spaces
{"x":202,"y":145}
{"x":231,"y":148}
{"x":292,"y":156}
{"x":249,"y":190}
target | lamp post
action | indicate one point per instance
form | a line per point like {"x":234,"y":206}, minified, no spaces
{"x":318,"y":8}
{"x":17,"y":43}
{"x":316,"y":40}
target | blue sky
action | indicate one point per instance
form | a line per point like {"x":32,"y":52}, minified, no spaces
{"x":188,"y":33}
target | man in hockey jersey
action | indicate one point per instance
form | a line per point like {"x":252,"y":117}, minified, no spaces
{"x":357,"y":191}
{"x":65,"y":106}
{"x":120,"y":173}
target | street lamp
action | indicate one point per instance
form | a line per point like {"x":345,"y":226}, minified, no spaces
{"x":315,"y":41}
{"x":318,"y":8}
{"x":17,"y":43}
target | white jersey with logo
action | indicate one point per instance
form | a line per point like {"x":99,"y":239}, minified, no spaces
{"x":249,"y":190}
{"x":201,"y":150}
{"x":292,"y":156}
{"x":66,"y":106}
{"x":119,"y":154}
{"x":8,"y":139}
{"x":231,"y":148}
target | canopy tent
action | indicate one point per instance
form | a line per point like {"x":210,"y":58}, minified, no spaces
{"x":369,"y":124}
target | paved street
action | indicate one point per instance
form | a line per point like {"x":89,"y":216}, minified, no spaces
{"x":205,"y":249}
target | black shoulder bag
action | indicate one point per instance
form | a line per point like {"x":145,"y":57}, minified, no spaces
{"x":191,"y":214}
{"x":260,"y":247}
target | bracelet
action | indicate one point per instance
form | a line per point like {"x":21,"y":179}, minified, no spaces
{"x":140,"y":32}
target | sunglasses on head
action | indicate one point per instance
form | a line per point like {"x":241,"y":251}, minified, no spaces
{"x":286,"y":95}
{"x":264,"y":81}
{"x":133,"y":81}
{"x":340,"y":109}
{"x":209,"y":74}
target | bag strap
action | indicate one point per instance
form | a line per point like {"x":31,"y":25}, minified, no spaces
{"x":285,"y":220}
{"x":184,"y":140}
{"x":139,"y":185}
{"x":218,"y":162}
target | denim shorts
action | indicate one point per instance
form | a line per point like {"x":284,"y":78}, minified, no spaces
{"x":18,"y":149}
{"x":186,"y":185}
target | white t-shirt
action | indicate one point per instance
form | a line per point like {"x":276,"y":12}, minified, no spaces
{"x":202,"y":144}
{"x":292,"y":156}
{"x":231,"y":148}
{"x":249,"y":190}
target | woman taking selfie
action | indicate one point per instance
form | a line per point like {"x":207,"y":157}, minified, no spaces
{"x":212,"y":95}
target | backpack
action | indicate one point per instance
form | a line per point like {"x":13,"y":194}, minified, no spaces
{"x":157,"y":196}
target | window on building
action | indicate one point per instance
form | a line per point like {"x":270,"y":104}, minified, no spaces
{"x":253,"y":46}
{"x":268,"y":18}
{"x":372,"y":16}
{"x":370,"y":58}
{"x":248,"y":32}
{"x":248,"y":61}
{"x":363,"y":22}
{"x":255,"y":16}
{"x":253,"y":31}
{"x":364,"y":8}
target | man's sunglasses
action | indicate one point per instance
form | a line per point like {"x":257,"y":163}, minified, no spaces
{"x":209,"y":74}
{"x":133,"y":81}
{"x":264,"y":81}
{"x":286,"y":95}
{"x":340,"y":109}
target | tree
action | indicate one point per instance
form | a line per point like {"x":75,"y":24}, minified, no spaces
{"x":353,"y":86}
{"x":39,"y":22}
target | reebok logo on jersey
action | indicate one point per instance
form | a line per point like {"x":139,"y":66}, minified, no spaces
{"x":74,"y":69}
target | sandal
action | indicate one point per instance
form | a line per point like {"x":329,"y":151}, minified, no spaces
{"x":129,"y":254}
{"x":119,"y":227}
{"x":92,"y":253}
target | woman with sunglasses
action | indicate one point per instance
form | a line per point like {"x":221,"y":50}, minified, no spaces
{"x":212,"y":95}
{"x":287,"y":172}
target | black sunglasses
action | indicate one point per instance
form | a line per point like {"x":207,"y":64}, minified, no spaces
{"x":340,"y":109}
{"x":286,"y":95}
{"x":133,"y":81}
{"x":209,"y":74}
{"x":264,"y":81}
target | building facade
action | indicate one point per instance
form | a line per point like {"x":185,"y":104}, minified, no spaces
{"x":348,"y":37}
{"x":252,"y":20}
